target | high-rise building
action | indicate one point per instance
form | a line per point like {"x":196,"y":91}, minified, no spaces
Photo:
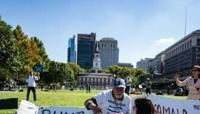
{"x":109,"y":52}
{"x":143,"y":64}
{"x":86,"y":50}
{"x":179,"y":57}
{"x":182,"y":55}
{"x":71,"y":55}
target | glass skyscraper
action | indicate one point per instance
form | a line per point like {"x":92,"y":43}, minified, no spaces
{"x":85,"y":50}
{"x":71,"y":50}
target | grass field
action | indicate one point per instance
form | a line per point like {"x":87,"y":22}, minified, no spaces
{"x":50,"y":98}
{"x":56,"y":98}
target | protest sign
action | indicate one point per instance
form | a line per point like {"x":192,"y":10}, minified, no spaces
{"x":175,"y":106}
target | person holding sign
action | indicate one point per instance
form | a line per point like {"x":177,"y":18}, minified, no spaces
{"x":114,"y":101}
{"x":192,"y":82}
{"x":31,"y":85}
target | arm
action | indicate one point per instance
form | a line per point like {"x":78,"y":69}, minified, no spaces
{"x":178,"y":82}
{"x":36,"y":78}
{"x":27,"y":79}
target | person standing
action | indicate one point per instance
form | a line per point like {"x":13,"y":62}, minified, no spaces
{"x":128,"y":82}
{"x":192,"y":82}
{"x":148,"y":86}
{"x":113,"y":101}
{"x":31,"y":85}
{"x":140,"y":88}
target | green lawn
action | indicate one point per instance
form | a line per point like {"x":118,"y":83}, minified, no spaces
{"x":50,"y":98}
{"x":56,"y":98}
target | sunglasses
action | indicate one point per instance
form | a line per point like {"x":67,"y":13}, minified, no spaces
{"x":194,"y":70}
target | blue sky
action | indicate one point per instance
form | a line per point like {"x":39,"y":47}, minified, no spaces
{"x":143,"y":28}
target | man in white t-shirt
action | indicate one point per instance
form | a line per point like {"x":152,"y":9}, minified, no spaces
{"x":31,"y":85}
{"x":128,"y":82}
{"x":113,"y":101}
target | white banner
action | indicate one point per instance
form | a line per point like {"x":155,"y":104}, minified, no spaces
{"x":175,"y":106}
{"x":63,"y":110}
{"x":27,"y":107}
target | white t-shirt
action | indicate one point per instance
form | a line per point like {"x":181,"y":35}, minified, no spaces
{"x":109,"y":105}
{"x":31,"y":81}
{"x":128,"y":81}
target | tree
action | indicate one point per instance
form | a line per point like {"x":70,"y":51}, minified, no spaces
{"x":9,"y":51}
{"x":32,"y":51}
{"x":122,"y":72}
{"x":43,"y":57}
{"x":139,"y":72}
{"x":27,"y":48}
{"x":75,"y":69}
{"x":115,"y":70}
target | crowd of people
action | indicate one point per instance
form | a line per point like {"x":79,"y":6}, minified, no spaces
{"x":117,"y":99}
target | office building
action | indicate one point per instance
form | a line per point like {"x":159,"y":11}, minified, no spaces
{"x":86,"y":50}
{"x":109,"y":52}
{"x":144,"y":64}
{"x":71,"y":53}
{"x":182,"y":55}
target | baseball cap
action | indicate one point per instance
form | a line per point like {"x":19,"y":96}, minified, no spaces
{"x":196,"y":66}
{"x":119,"y":83}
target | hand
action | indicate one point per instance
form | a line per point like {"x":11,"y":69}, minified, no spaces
{"x":95,"y":108}
{"x":177,"y":76}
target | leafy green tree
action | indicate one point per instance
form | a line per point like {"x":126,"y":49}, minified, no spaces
{"x":139,"y":72}
{"x":28,"y":49}
{"x":75,"y":70}
{"x":115,"y":70}
{"x":31,"y":51}
{"x":9,"y":52}
{"x":43,"y":57}
{"x":122,"y":72}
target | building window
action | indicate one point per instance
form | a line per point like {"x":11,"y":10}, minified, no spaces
{"x":198,"y":42}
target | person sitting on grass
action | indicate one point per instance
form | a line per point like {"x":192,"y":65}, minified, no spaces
{"x":114,"y":101}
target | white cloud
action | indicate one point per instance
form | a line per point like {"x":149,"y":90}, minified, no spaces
{"x":164,"y":42}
